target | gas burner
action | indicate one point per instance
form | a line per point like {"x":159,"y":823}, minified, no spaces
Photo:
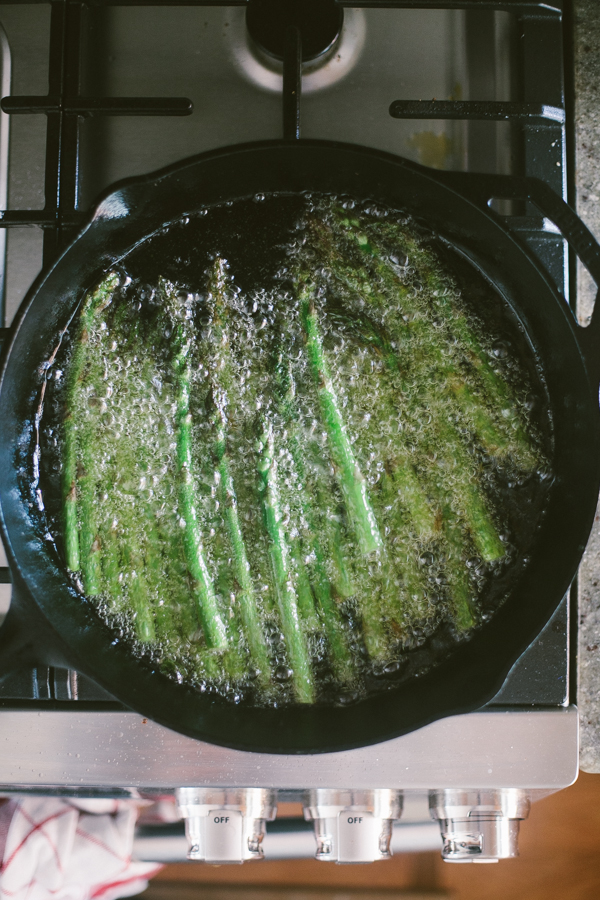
{"x":332,"y":43}
{"x":319,"y":21}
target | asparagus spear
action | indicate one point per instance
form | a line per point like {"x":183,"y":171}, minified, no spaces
{"x":352,"y":481}
{"x":332,"y":625}
{"x":351,"y":478}
{"x":247,"y":597}
{"x":330,"y":614}
{"x":491,"y":437}
{"x":343,"y":582}
{"x":461,"y":590}
{"x":101,"y":437}
{"x":111,"y":564}
{"x":88,"y":474}
{"x":444,"y":440}
{"x":90,"y":542}
{"x":407,"y":485}
{"x":285,"y":397}
{"x":209,"y":613}
{"x":137,"y":553}
{"x":138,"y":592}
{"x":407,"y":481}
{"x":223,"y":379}
{"x":143,"y":450}
{"x":280,"y":556}
{"x":94,"y":302}
{"x":413,"y":496}
{"x":151,"y":398}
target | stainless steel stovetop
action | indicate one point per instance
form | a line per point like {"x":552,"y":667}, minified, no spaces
{"x":58,"y":730}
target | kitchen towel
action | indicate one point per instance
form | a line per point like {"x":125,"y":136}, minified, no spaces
{"x":57,"y":849}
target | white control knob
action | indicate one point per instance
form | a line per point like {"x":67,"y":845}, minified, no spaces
{"x":479,"y":826}
{"x":353,"y":826}
{"x":225,"y":825}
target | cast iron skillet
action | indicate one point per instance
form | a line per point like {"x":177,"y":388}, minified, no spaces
{"x":49,"y":622}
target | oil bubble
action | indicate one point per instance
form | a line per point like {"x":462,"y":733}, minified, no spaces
{"x":283,"y":674}
{"x":347,"y":698}
{"x":392,"y":668}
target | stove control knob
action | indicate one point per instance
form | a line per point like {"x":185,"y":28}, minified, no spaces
{"x":479,"y":826}
{"x":353,"y":826}
{"x":226,"y":825}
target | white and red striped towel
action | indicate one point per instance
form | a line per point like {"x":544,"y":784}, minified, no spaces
{"x":57,"y":849}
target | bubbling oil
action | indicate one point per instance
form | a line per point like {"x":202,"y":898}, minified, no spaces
{"x":305,"y":465}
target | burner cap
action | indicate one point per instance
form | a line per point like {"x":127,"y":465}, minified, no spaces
{"x":320,"y":22}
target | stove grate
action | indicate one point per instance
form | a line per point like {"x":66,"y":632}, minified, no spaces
{"x":539,"y":114}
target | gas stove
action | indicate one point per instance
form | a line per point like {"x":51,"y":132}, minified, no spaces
{"x":103,"y":90}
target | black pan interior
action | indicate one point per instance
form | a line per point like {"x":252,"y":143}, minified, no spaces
{"x":472,"y":674}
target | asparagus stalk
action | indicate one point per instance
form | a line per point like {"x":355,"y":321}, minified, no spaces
{"x":407,"y":481}
{"x":280,"y":557}
{"x":306,"y":601}
{"x":112,"y":560}
{"x":138,"y":592}
{"x":209,"y":613}
{"x":458,"y":578}
{"x":491,"y":438}
{"x":414,"y":497}
{"x":89,"y":476}
{"x":247,"y":597}
{"x":223,"y":379}
{"x":111,"y":564}
{"x":343,"y":583}
{"x":147,"y":451}
{"x":285,"y":394}
{"x":401,"y":473}
{"x":90,"y":541}
{"x":338,"y":574}
{"x":340,"y":654}
{"x":352,"y":480}
{"x":142,"y":551}
{"x":467,"y":496}
{"x":94,"y":302}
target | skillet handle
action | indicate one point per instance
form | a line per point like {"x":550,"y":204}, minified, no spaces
{"x":483,"y":188}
